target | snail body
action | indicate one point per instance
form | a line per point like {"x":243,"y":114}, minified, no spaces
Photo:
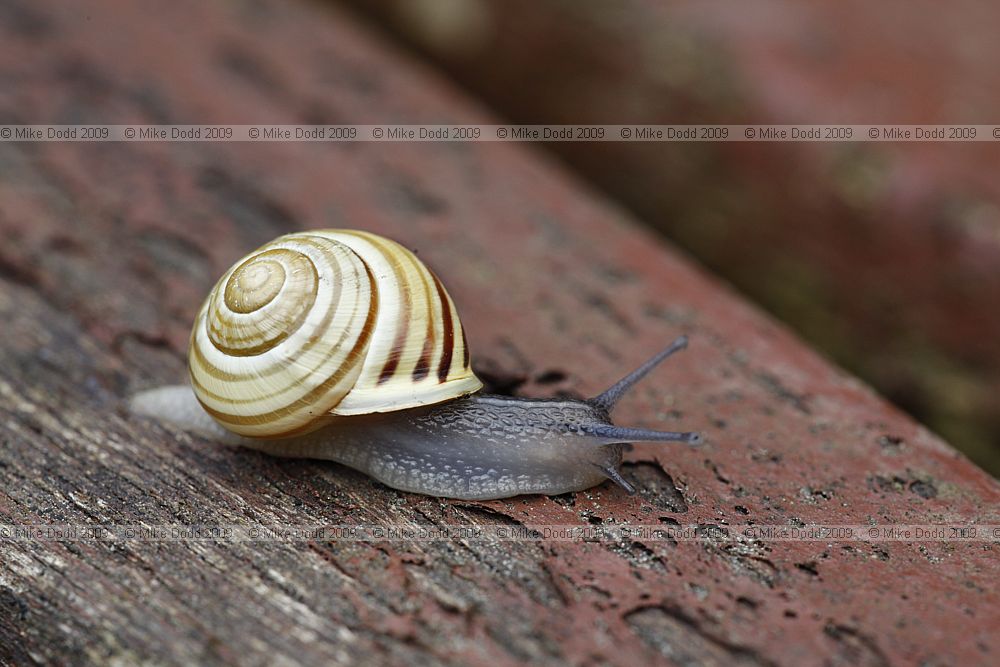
{"x":341,"y":345}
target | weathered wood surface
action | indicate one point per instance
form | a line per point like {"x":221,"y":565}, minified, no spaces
{"x":107,"y":249}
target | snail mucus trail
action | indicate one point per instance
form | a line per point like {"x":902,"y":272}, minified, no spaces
{"x":342,"y":345}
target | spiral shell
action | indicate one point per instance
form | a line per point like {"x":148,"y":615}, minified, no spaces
{"x":325,"y":323}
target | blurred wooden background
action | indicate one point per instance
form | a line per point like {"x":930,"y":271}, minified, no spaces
{"x":884,"y":256}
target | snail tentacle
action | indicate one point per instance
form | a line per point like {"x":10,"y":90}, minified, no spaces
{"x":610,"y":397}
{"x":606,"y":434}
{"x":615,"y":476}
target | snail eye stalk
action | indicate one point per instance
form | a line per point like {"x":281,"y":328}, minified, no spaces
{"x":612,"y":473}
{"x":607,"y":400}
{"x":611,"y":434}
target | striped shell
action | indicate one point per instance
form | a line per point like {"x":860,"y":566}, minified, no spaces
{"x":325,"y":323}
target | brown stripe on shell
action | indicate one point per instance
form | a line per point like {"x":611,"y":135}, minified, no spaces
{"x":219,"y":374}
{"x":423,"y":366}
{"x":406,"y":305}
{"x":360,"y":347}
{"x":465,"y":348}
{"x":276,"y":368}
{"x":448,"y":344}
{"x":269,"y":343}
{"x":214,"y":323}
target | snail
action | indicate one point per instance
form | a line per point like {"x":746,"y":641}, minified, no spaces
{"x":342,"y":345}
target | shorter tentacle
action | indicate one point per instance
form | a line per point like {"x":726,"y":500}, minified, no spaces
{"x":612,"y":473}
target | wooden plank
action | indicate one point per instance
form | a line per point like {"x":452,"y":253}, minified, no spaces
{"x":107,"y":249}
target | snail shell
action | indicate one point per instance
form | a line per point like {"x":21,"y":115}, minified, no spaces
{"x":325,"y":323}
